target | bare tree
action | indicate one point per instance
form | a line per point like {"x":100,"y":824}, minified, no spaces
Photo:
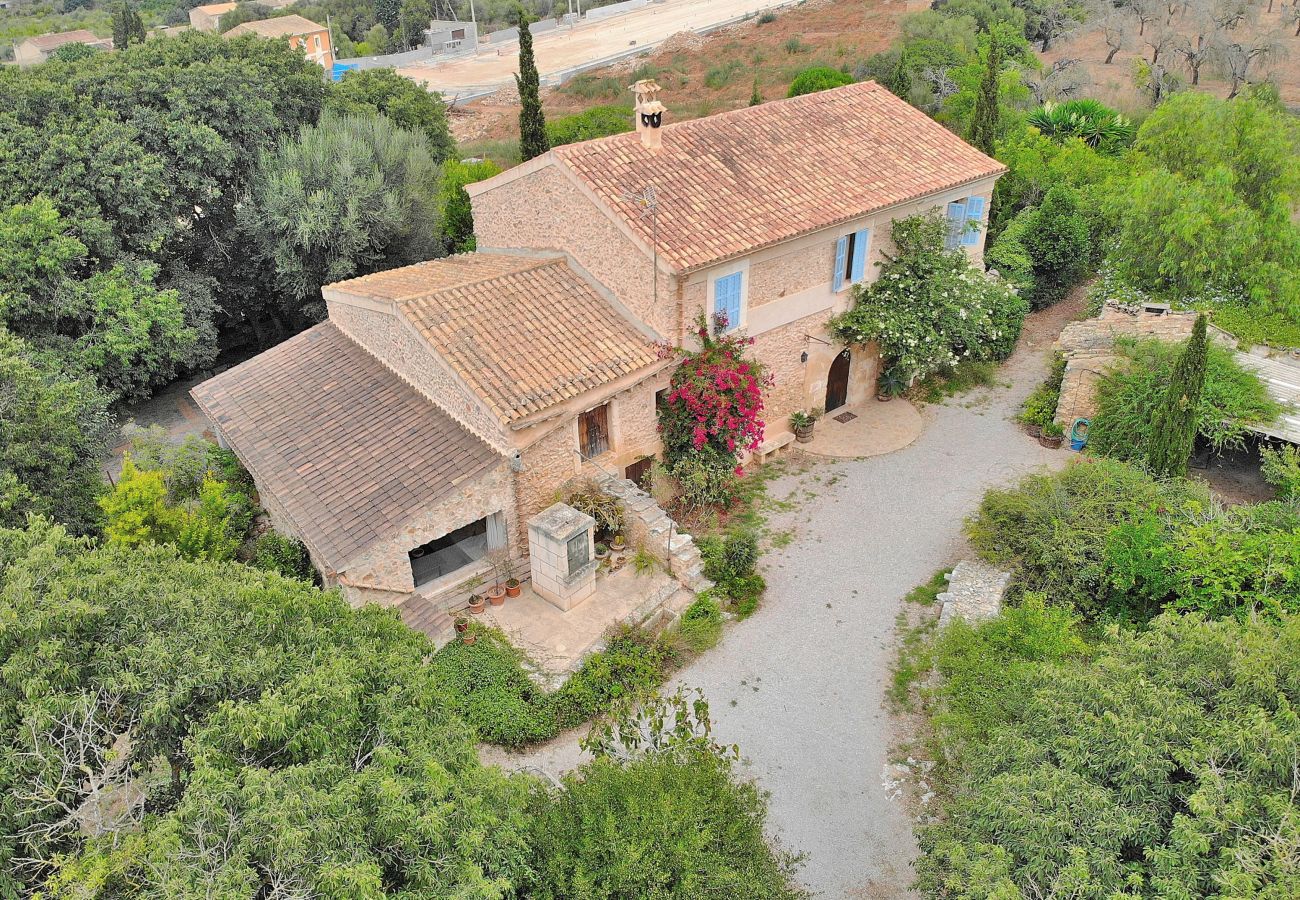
{"x":1065,"y":79}
{"x":1292,"y":14}
{"x":1116,"y":24}
{"x":1237,"y":57}
{"x":1160,"y":38}
{"x":1146,"y":11}
{"x":1199,"y":45}
{"x":1228,"y":14}
{"x":78,"y":777}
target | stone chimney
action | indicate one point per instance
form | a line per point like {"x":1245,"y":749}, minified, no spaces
{"x":648,"y":113}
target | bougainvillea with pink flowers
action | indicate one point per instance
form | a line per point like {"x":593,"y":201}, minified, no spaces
{"x":714,"y":404}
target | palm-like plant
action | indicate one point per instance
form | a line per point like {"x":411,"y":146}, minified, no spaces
{"x":1096,"y":124}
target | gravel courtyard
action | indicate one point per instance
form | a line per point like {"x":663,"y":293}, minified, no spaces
{"x":800,"y":684}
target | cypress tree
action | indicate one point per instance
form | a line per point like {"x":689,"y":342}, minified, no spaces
{"x":755,"y":98}
{"x":128,"y":27}
{"x":532,"y":122}
{"x":984,"y":124}
{"x":1173,"y":425}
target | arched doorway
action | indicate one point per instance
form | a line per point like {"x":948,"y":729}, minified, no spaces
{"x":837,"y":381}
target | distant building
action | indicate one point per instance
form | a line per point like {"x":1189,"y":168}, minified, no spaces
{"x":207,"y":18}
{"x":36,"y":50}
{"x":449,"y":36}
{"x":303,"y":34}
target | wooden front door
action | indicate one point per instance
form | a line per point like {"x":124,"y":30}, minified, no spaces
{"x":837,"y":382}
{"x":639,"y":472}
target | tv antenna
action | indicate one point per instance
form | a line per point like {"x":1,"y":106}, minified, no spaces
{"x":647,"y":204}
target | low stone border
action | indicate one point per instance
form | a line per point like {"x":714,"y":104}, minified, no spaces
{"x":975,"y":593}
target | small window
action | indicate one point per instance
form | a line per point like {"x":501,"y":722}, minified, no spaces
{"x":965,"y":221}
{"x":661,"y":398}
{"x":726,"y":301}
{"x":458,"y":34}
{"x":593,"y":432}
{"x":318,"y":42}
{"x":578,"y":550}
{"x":851,"y":259}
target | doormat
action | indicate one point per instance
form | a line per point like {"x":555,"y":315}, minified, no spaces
{"x":845,"y":417}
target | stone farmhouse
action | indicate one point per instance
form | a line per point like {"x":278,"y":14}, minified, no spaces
{"x":443,"y":405}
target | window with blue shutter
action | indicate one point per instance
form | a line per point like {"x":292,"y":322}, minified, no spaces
{"x":858,"y":267}
{"x":726,"y":299}
{"x":975,"y":219}
{"x":956,"y":224}
{"x":841,"y":254}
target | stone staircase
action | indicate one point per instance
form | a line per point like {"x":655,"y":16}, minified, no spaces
{"x":647,"y":524}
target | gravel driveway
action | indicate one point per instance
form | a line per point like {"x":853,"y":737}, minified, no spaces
{"x":800,"y":684}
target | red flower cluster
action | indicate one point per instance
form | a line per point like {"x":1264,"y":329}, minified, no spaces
{"x":715,"y":400}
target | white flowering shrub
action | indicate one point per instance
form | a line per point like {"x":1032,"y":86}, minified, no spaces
{"x":930,"y":308}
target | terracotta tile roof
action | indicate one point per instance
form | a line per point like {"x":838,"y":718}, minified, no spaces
{"x":524,"y":333}
{"x":732,"y":183}
{"x":280,"y":26}
{"x":58,"y":39}
{"x":350,"y":451}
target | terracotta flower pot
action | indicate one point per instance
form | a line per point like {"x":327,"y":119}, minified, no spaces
{"x":477,"y":604}
{"x":462,"y":626}
{"x":497,"y":595}
{"x":512,"y":590}
{"x":468,"y":638}
{"x":618,"y":544}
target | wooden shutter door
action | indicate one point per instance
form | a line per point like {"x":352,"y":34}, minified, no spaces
{"x":974,"y":214}
{"x":956,"y":222}
{"x":860,"y":241}
{"x":726,"y":299}
{"x":841,"y":251}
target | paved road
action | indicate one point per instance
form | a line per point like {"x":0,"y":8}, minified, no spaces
{"x":565,"y":48}
{"x":800,"y":684}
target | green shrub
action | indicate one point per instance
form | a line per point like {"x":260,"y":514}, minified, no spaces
{"x":1232,"y":399}
{"x":1246,"y":559}
{"x":701,"y":624}
{"x":930,"y":308}
{"x":1161,"y":766}
{"x":1039,"y":407}
{"x":1255,"y":326}
{"x":1056,"y":239}
{"x":729,"y":561}
{"x":1054,"y":530}
{"x":453,"y":201}
{"x":1008,"y":256}
{"x":1281,"y":468}
{"x":705,"y":477}
{"x":720,"y":76}
{"x":274,"y":552}
{"x":657,"y":826}
{"x":491,"y":690}
{"x":597,"y":122}
{"x":818,"y":78}
{"x":794,"y":45}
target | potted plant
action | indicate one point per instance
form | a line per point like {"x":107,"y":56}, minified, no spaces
{"x":512,"y":587}
{"x":462,"y":629}
{"x":618,"y":544}
{"x":477,"y":604}
{"x":1053,"y":436}
{"x":499,"y":559}
{"x":602,"y":552}
{"x":889,"y":384}
{"x":801,"y":423}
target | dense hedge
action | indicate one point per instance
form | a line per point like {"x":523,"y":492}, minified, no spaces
{"x":1159,"y":764}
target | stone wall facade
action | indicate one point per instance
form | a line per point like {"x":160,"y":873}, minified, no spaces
{"x":387,"y":565}
{"x":389,"y":339}
{"x":560,"y":216}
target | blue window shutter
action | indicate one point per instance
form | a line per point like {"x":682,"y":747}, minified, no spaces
{"x":726,"y":299}
{"x":975,"y":214}
{"x":841,"y":251}
{"x":859,"y":270}
{"x":956,"y":223}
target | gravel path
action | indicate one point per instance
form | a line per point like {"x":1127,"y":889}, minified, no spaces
{"x":800,"y":684}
